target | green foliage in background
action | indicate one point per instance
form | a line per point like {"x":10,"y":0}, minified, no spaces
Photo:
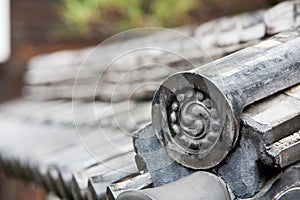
{"x":124,"y":14}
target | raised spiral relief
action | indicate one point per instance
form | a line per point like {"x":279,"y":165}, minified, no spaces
{"x":194,"y":121}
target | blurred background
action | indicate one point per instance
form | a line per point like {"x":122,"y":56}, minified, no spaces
{"x":50,"y":25}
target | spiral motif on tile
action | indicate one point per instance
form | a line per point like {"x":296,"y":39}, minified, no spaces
{"x":194,"y":121}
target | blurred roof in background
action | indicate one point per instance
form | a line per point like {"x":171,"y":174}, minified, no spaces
{"x":43,"y":26}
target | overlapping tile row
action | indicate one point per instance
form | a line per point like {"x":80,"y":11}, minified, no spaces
{"x":42,"y":143}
